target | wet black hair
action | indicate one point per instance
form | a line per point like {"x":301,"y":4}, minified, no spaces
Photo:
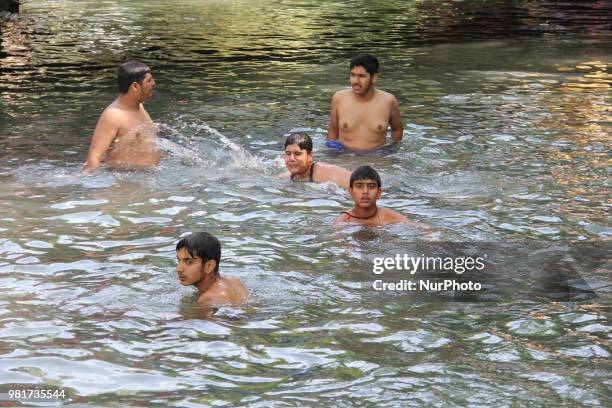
{"x":367,"y":61}
{"x":365,"y":173}
{"x":202,"y":244}
{"x":303,"y":141}
{"x":129,"y":72}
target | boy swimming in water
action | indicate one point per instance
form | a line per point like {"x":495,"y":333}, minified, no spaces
{"x":365,"y":189}
{"x":125,"y":137}
{"x":301,"y":166}
{"x":198,"y":256}
{"x":361,"y":115}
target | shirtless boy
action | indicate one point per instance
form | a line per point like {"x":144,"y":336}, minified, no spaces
{"x":301,"y":166}
{"x":360,"y":115}
{"x":198,"y":256}
{"x":365,"y":189}
{"x":125,"y":137}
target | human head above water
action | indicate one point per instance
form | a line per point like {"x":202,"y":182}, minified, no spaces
{"x":367,"y":61}
{"x":202,"y":244}
{"x":303,"y":141}
{"x":130,"y":72}
{"x":365,"y":173}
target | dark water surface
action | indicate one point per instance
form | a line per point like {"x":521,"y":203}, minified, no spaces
{"x":506,"y":109}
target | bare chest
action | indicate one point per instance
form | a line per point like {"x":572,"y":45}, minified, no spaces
{"x":136,"y":130}
{"x":371,"y":117}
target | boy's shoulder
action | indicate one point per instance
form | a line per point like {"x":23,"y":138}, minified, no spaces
{"x":228,"y":289}
{"x":390,"y":215}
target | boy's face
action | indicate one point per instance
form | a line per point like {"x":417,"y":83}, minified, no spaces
{"x":297,"y":160}
{"x":146,"y":88}
{"x":361,"y":80}
{"x":190,"y":269}
{"x":365,"y":193}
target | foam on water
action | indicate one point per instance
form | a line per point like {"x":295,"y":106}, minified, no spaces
{"x":202,"y":144}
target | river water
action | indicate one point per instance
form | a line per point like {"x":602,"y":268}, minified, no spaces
{"x":506,"y":109}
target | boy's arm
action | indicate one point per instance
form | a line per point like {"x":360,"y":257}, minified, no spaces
{"x":333,"y":130}
{"x":340,"y":176}
{"x":397,"y":129}
{"x":105,"y":132}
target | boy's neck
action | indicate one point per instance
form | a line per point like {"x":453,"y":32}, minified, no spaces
{"x":364,"y":213}
{"x":128,"y":102}
{"x":207,"y":282}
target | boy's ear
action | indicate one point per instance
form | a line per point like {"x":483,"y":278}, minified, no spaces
{"x":209,"y":266}
{"x":380,"y":190}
